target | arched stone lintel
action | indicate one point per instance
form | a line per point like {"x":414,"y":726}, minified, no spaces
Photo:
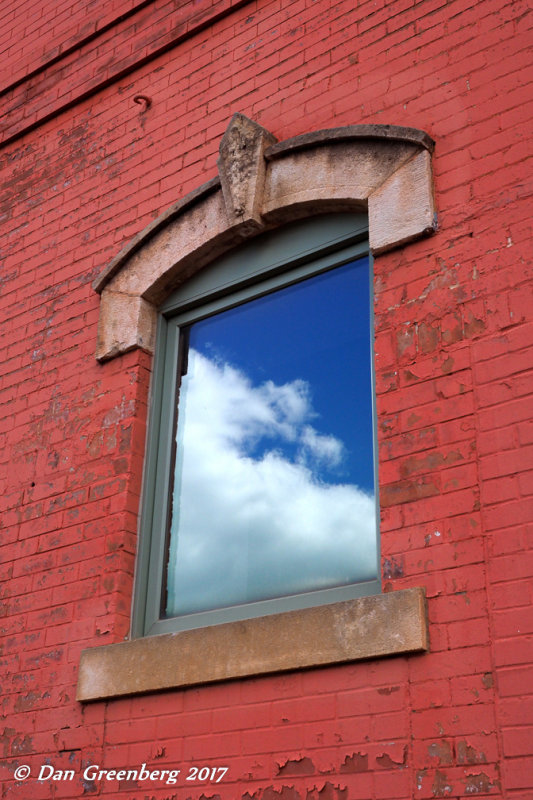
{"x":348,"y":133}
{"x":263,"y":185}
{"x":140,"y":239}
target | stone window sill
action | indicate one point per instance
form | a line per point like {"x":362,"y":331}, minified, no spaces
{"x":388,"y":624}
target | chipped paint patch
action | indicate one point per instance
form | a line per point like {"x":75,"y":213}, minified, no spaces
{"x":441,"y":787}
{"x":357,"y":762}
{"x":466,"y":754}
{"x":443,"y":751}
{"x":480,"y":783}
{"x":297,"y":766}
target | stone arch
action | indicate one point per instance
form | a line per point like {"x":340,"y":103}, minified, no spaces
{"x":261,"y":185}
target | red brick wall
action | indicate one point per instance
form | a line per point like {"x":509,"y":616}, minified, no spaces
{"x":84,"y":168}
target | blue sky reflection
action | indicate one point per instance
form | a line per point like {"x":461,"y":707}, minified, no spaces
{"x":274,"y":489}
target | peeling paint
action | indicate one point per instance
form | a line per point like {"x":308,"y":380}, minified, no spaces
{"x":479,"y":783}
{"x":357,"y":762}
{"x":285,"y":793}
{"x":89,"y":787}
{"x":297,"y":766}
{"x":392,"y":568}
{"x":447,"y":365}
{"x":420,"y":775}
{"x":487,"y":680}
{"x":118,"y":413}
{"x":428,"y":338}
{"x":27,"y":701}
{"x":387,"y":761}
{"x":443,"y":751}
{"x":474,"y":327}
{"x":441,"y":787}
{"x":466,"y":754}
{"x":5,"y":738}
{"x":22,"y":746}
{"x":328,"y":792}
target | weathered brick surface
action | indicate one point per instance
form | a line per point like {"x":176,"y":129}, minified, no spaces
{"x":84,"y":168}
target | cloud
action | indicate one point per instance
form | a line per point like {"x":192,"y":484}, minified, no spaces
{"x":256,"y":514}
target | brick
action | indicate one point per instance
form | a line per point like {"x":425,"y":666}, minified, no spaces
{"x":516,"y":711}
{"x":473,"y":690}
{"x":514,"y":593}
{"x":517,"y":773}
{"x":513,"y":621}
{"x":515,"y":680}
{"x":518,"y":741}
{"x":454,"y":721}
{"x":510,"y":567}
{"x":431,"y":694}
{"x":362,"y":702}
{"x":467,"y":661}
{"x":513,"y":650}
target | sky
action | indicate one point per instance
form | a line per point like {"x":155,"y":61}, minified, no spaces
{"x":273,"y":492}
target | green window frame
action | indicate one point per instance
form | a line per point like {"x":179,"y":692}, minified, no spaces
{"x":268,"y":263}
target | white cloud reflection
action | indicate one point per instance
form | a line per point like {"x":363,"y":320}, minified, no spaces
{"x":255,"y":522}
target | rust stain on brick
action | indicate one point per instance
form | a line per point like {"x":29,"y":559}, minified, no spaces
{"x":297,"y":766}
{"x":357,"y":762}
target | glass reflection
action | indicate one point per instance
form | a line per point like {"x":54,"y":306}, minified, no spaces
{"x":273,"y":486}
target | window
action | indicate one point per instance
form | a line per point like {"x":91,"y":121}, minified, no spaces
{"x":261,"y":185}
{"x":261,"y":477}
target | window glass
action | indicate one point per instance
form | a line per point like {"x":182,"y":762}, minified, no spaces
{"x":273,"y":481}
